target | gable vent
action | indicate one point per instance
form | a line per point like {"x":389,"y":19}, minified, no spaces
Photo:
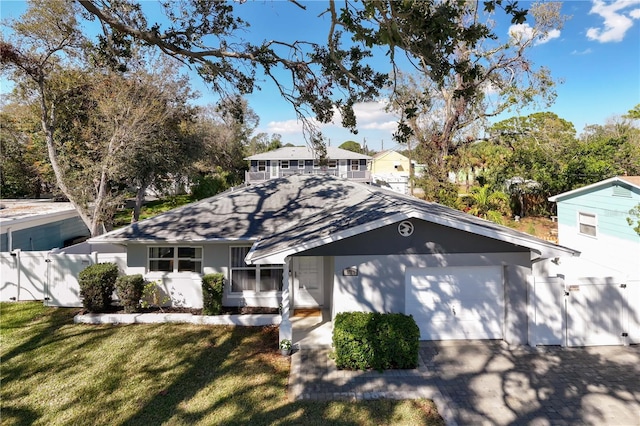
{"x":620,"y":191}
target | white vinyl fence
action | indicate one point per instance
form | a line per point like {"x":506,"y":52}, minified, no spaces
{"x":576,"y":303}
{"x":50,"y":276}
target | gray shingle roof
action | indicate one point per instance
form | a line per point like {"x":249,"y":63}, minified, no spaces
{"x":304,"y":210}
{"x":306,"y":153}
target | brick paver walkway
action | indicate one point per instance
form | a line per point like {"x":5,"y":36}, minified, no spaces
{"x":489,"y":383}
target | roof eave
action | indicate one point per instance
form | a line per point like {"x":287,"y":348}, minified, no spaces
{"x":125,"y":241}
{"x":558,"y":197}
{"x":544,"y":250}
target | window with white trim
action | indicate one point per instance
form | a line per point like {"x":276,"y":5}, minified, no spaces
{"x":284,"y":164}
{"x":175,"y":259}
{"x":254,"y":278}
{"x":262,"y":166}
{"x":301,"y":164}
{"x":587,"y":224}
{"x":316,"y":164}
{"x":355,"y":165}
{"x":333,"y":164}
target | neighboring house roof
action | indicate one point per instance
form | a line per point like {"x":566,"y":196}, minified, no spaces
{"x":389,"y":152}
{"x":633,"y":181}
{"x":306,"y":153}
{"x":22,"y":214}
{"x":293,"y":214}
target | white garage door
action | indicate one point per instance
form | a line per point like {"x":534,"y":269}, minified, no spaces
{"x":456,"y":302}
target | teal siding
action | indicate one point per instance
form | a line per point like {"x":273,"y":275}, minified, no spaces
{"x":46,"y":237}
{"x":610,"y":204}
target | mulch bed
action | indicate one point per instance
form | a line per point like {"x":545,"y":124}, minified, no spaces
{"x":226,"y":310}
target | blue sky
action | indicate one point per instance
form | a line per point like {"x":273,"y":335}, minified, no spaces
{"x":596,"y":55}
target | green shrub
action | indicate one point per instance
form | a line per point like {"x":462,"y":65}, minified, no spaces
{"x":373,"y":340}
{"x":153,"y":296}
{"x":129,"y":289}
{"x":212,"y":286}
{"x":96,"y":286}
{"x":209,"y":185}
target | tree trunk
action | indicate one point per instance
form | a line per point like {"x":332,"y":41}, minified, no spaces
{"x":139,"y":201}
{"x":47,"y":120}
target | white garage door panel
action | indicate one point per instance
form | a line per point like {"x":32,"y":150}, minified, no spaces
{"x":456,"y":302}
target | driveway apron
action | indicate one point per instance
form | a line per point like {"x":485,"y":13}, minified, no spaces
{"x":487,"y":382}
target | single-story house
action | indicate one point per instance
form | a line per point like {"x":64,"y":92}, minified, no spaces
{"x":33,"y":225}
{"x":322,"y":241}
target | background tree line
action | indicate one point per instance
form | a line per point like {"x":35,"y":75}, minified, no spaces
{"x":94,"y":117}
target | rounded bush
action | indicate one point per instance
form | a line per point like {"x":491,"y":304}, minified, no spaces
{"x":129,"y":289}
{"x":97,"y":283}
{"x":364,"y":340}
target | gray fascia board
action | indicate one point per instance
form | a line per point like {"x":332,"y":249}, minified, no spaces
{"x":542,"y":248}
{"x":279,"y":256}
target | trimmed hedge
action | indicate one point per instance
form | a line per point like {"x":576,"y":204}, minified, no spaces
{"x":364,"y":340}
{"x":212,"y":287}
{"x":130,"y":289}
{"x":97,"y":283}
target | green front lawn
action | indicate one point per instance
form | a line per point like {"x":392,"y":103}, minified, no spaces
{"x":56,"y":372}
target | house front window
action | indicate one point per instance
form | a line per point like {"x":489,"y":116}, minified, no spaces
{"x":333,"y":164}
{"x":587,"y":224}
{"x":284,"y":164}
{"x":301,"y":164}
{"x":254,"y":278}
{"x":262,"y":166}
{"x":355,"y":165}
{"x":175,"y":259}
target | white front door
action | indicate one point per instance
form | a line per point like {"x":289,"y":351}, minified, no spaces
{"x":308,"y":282}
{"x":274,"y":168}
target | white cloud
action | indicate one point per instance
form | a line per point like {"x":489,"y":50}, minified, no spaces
{"x":583,"y":52}
{"x":616,"y":23}
{"x":284,"y":127}
{"x":373,"y":122}
{"x":386,"y":125}
{"x":524,"y":32}
{"x":552,"y":34}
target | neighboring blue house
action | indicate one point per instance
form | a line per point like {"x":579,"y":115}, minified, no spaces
{"x":39,"y":225}
{"x":600,"y":299}
{"x":593,"y":220}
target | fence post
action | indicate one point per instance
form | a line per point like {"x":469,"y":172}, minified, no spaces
{"x":16,"y":253}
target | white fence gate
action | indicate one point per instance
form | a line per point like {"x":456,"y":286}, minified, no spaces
{"x":585,"y":312}
{"x":48,"y":276}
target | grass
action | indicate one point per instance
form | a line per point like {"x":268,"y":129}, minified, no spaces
{"x":55,"y":372}
{"x":151,"y":209}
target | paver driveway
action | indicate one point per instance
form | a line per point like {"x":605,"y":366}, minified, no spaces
{"x":489,"y":383}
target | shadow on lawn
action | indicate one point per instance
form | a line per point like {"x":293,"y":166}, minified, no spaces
{"x":204,"y":368}
{"x":61,"y":373}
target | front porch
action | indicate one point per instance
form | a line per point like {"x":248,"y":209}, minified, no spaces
{"x":312,"y":328}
